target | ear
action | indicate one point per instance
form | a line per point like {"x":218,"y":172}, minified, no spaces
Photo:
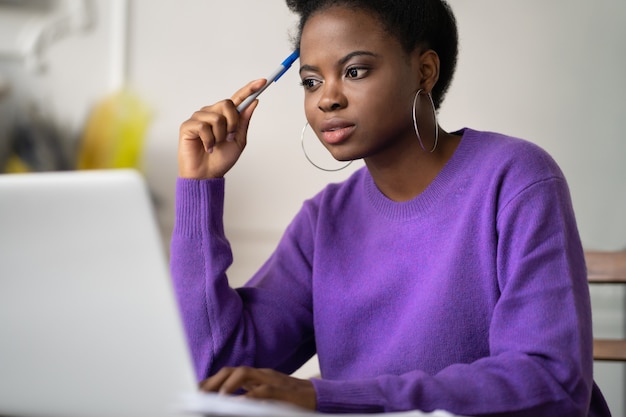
{"x":427,"y":64}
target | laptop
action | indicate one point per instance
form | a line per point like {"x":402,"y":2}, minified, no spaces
{"x":88,"y":320}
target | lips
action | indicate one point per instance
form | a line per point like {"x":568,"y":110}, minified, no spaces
{"x":336,"y":131}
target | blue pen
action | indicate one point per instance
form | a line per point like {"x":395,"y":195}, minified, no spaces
{"x":286,"y":64}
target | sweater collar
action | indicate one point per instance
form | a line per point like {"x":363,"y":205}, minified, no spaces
{"x":426,"y":201}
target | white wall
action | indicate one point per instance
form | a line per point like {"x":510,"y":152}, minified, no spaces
{"x":551,"y":72}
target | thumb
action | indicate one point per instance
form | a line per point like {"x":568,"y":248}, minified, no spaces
{"x":245,"y":116}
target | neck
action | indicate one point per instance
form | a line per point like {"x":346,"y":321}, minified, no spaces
{"x":405,"y":172}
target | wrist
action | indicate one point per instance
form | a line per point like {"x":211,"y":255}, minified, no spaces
{"x":198,"y":174}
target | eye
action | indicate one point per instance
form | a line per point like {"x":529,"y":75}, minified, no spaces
{"x":310,"y":83}
{"x":356,"y":72}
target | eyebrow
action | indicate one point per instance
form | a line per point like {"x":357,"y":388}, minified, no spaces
{"x":342,"y":61}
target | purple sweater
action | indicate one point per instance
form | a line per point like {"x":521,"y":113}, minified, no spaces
{"x":472,"y":297}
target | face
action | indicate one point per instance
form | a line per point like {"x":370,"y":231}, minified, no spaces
{"x":358,"y":84}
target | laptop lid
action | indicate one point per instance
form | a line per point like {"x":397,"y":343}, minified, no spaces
{"x":88,"y":321}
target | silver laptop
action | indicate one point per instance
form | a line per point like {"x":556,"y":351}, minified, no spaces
{"x":88,"y":321}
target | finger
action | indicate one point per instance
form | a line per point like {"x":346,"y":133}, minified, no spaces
{"x":229,"y":380}
{"x":278,"y":393}
{"x":266,"y":392}
{"x":303,"y":396}
{"x":195,"y":132}
{"x":215,"y":382}
{"x":246,"y":115}
{"x":240,"y":131}
{"x":221,"y":121}
{"x":229,"y":121}
{"x":241,"y":134}
{"x":211,"y":124}
{"x":241,"y":378}
{"x":247,"y":90}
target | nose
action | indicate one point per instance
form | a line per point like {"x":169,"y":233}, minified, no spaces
{"x":332,"y":98}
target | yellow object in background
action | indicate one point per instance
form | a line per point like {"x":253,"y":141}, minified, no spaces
{"x":15,"y":165}
{"x":114,"y":133}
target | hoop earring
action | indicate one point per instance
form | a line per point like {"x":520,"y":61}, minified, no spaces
{"x":311,"y":161}
{"x":417,"y":131}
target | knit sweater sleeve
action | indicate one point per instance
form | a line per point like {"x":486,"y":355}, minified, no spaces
{"x":266,"y":324}
{"x":539,"y":338}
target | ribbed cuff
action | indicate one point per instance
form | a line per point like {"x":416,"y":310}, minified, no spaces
{"x":347,"y":396}
{"x":198,"y":201}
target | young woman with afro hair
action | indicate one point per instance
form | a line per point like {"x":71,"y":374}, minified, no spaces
{"x":447,"y":273}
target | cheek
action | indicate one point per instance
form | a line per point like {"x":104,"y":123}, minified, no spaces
{"x":388,"y":94}
{"x":387,"y":106}
{"x":310,"y":107}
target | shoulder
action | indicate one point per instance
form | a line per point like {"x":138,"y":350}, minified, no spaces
{"x":511,"y":155}
{"x":506,"y":169}
{"x":337,"y":197}
{"x":327,"y":209}
{"x":338,"y":193}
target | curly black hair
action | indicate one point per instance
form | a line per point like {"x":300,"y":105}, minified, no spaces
{"x":414,"y":23}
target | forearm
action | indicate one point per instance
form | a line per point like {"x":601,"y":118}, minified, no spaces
{"x":200,"y":255}
{"x":510,"y":385}
{"x":266,"y":324}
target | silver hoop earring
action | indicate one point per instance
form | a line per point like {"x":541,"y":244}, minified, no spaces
{"x":417,"y":131}
{"x":311,"y":161}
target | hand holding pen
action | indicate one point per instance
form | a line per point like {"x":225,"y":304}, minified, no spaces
{"x":212,"y":140}
{"x":275,"y":76}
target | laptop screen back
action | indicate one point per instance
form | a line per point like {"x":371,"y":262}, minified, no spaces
{"x":88,"y":322}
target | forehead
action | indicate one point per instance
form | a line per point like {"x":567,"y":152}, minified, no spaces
{"x":339,"y":30}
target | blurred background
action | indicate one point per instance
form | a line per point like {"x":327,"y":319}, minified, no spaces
{"x":106,"y":83}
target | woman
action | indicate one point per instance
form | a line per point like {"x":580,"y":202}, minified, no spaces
{"x":446,"y":274}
